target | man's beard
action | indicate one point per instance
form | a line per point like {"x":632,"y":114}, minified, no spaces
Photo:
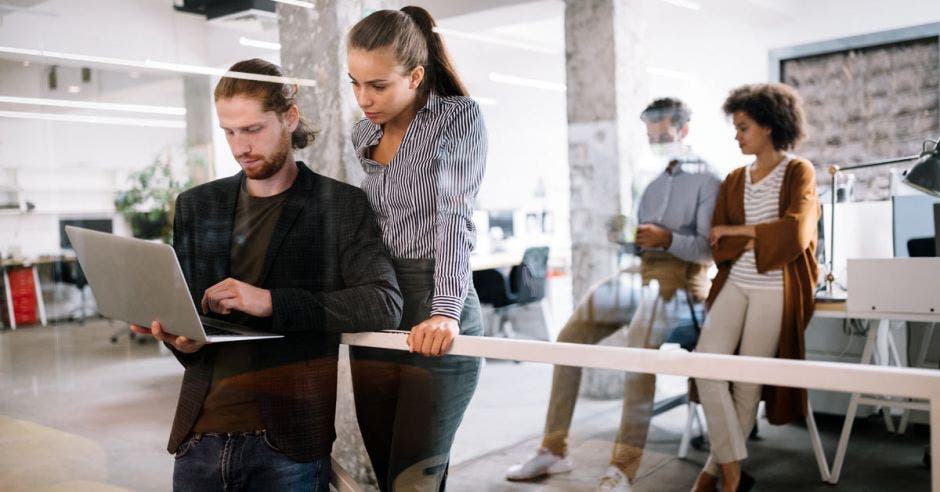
{"x":270,"y":166}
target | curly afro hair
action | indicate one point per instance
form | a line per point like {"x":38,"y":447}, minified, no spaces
{"x":774,"y":106}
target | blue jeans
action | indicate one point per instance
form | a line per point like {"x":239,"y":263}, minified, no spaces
{"x":244,"y":461}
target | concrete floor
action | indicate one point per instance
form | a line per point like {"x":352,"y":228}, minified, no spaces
{"x":80,"y":413}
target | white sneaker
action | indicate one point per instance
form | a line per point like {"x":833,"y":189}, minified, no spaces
{"x":544,"y":462}
{"x":614,"y":481}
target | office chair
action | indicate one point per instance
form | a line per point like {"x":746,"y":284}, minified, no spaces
{"x":70,"y":272}
{"x":524,"y":285}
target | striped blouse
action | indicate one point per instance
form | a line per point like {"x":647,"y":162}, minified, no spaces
{"x":761,"y":204}
{"x":423,"y":200}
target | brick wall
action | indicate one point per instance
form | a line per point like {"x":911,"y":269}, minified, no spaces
{"x":868,"y":104}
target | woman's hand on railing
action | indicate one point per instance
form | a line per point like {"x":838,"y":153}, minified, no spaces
{"x":433,"y":336}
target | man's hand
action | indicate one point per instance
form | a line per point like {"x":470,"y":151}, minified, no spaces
{"x":433,"y":336}
{"x":234,"y":295}
{"x":652,"y":236}
{"x":181,"y":344}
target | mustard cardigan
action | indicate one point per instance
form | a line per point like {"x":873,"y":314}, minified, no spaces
{"x":788,"y":243}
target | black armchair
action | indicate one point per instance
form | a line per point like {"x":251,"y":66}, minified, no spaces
{"x":525,"y":284}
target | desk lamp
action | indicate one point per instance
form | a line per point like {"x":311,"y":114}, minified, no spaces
{"x":924,"y":176}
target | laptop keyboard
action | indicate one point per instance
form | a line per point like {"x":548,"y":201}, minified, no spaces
{"x":217,"y":327}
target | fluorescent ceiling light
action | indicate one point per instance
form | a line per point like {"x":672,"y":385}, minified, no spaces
{"x":494,"y":40}
{"x":296,"y":3}
{"x":257,"y":43}
{"x":686,"y":4}
{"x":65,"y":103}
{"x":26,"y":10}
{"x":668,"y":72}
{"x":156,"y":65}
{"x":104,"y":120}
{"x":485,"y":101}
{"x":526,"y":82}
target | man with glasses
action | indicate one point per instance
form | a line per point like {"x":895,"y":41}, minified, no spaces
{"x":674,"y":217}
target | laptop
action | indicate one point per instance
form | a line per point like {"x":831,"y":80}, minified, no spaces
{"x":139,"y":281}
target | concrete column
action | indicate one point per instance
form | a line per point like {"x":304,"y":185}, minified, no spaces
{"x":313,"y":46}
{"x":197,"y":97}
{"x":606,"y":80}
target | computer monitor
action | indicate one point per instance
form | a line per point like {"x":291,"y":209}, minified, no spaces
{"x":95,"y":224}
{"x":503,"y":219}
{"x":936,"y":227}
{"x":914,"y":217}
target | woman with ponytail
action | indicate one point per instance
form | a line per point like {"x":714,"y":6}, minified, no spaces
{"x":422,"y":144}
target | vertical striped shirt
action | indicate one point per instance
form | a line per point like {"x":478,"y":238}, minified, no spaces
{"x":423,"y":199}
{"x":761,"y":204}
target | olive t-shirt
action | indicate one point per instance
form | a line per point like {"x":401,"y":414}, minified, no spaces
{"x":231,"y":404}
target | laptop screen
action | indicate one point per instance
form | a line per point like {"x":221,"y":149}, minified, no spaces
{"x":914,"y":221}
{"x":936,"y":228}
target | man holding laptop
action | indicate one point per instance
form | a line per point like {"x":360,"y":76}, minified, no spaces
{"x":280,"y":249}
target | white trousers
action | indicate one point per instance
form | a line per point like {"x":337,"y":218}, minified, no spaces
{"x":746,"y":321}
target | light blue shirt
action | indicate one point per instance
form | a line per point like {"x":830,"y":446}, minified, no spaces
{"x":682,"y":201}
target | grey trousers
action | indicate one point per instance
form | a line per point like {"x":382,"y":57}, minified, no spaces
{"x":746,"y":321}
{"x":409,"y":406}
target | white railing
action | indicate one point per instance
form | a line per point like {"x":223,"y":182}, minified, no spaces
{"x":832,"y":376}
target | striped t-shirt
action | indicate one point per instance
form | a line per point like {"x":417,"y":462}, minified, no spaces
{"x":761,"y":204}
{"x":423,"y":199}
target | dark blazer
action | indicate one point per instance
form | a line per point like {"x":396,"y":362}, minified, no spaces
{"x":328,"y":272}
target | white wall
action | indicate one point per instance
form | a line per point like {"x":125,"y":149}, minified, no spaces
{"x":70,"y":169}
{"x":723,"y":45}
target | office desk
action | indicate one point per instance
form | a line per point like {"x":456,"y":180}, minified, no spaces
{"x":31,"y":264}
{"x":887,"y":355}
{"x":487,"y":261}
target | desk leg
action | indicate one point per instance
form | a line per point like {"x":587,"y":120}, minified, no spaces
{"x":853,"y":405}
{"x":935,"y":443}
{"x":40,"y":302}
{"x":816,"y":442}
{"x":9,"y":295}
{"x":918,"y":362}
{"x":885,"y":336}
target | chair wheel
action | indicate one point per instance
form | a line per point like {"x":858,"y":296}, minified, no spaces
{"x":113,"y":339}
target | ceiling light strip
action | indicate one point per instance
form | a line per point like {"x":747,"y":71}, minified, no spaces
{"x":527,"y":82}
{"x":296,"y":3}
{"x":104,"y":120}
{"x":65,"y":103}
{"x":498,"y":41}
{"x":257,"y":43}
{"x":158,"y":65}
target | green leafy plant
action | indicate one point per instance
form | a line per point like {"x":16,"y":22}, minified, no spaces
{"x":147,"y":205}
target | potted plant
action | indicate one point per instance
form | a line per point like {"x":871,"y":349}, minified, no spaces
{"x":147,"y":205}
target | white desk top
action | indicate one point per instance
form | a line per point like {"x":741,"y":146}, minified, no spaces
{"x":838,"y":310}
